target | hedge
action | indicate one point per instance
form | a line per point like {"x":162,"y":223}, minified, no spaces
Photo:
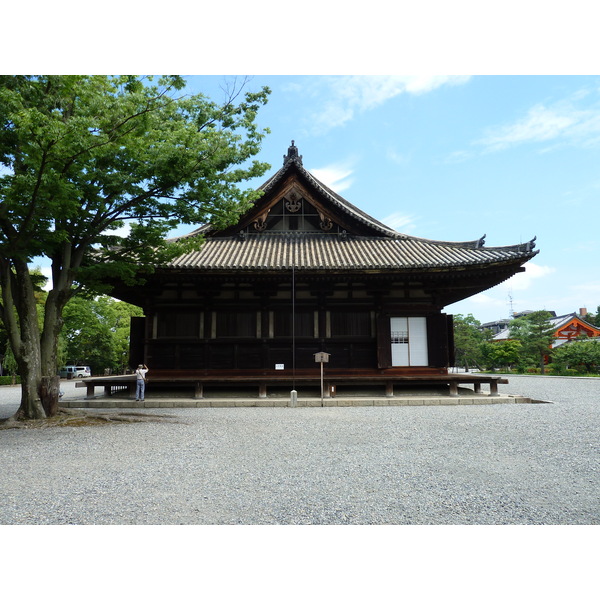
{"x":8,"y":379}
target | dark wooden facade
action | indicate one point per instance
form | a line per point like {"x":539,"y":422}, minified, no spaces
{"x":235,"y":328}
{"x":305,"y":271}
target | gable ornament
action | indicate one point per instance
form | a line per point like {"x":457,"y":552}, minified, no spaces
{"x":292,"y":154}
{"x":326,"y":223}
{"x":260,"y":223}
{"x":293,"y":204}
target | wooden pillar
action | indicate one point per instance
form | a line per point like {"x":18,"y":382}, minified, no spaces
{"x":477,"y":388}
{"x":262,"y":390}
{"x":389,"y":389}
{"x":453,"y":388}
{"x":199,"y":391}
{"x":494,"y":388}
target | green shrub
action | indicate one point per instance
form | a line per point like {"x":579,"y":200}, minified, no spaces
{"x":8,"y":379}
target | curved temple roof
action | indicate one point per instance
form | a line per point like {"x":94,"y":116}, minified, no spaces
{"x":316,"y":252}
{"x":376,"y":247}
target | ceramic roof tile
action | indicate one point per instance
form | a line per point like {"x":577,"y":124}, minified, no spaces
{"x":326,"y":251}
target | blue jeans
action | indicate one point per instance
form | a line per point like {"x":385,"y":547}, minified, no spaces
{"x":139,"y":390}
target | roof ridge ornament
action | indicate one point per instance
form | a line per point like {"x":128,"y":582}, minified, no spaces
{"x":292,"y":154}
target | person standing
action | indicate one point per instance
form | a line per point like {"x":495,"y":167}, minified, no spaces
{"x":140,"y":374}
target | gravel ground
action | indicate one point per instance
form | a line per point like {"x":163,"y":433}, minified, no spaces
{"x":494,"y":464}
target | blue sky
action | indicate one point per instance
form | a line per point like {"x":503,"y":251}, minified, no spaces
{"x":454,"y":158}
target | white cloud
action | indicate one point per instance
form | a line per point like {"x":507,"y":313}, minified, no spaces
{"x":337,"y":176}
{"x":484,"y":299}
{"x":561,"y":122}
{"x":366,"y":92}
{"x":347,"y":96}
{"x":523,"y":281}
{"x":540,"y":124}
{"x":400,"y":222}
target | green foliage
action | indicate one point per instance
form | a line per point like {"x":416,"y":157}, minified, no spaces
{"x":593,"y":319}
{"x":529,"y":347}
{"x":85,"y":155}
{"x":96,"y":333}
{"x":468,"y":340}
{"x":580,"y":356}
{"x":9,"y":380}
{"x":535,"y":334}
{"x":9,"y":364}
{"x":502,"y":355}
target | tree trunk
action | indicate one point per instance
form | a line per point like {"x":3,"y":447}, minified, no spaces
{"x":35,"y":352}
{"x":542,"y":365}
{"x":31,"y":406}
{"x":29,"y":364}
{"x":24,"y":334}
{"x":49,"y":393}
{"x":52,"y":326}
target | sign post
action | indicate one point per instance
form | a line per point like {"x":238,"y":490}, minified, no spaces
{"x":321,"y":357}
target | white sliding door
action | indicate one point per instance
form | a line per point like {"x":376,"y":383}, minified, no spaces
{"x":409,"y":341}
{"x":399,"y":332}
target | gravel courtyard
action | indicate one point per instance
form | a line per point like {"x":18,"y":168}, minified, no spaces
{"x":488,"y":464}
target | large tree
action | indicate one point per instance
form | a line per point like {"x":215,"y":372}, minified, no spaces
{"x":96,"y":333}
{"x":535,"y":333}
{"x":80,"y":157}
{"x":468,"y":339}
{"x":582,"y":356}
{"x":502,"y":354}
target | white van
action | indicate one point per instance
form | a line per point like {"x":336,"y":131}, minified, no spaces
{"x":72,"y":371}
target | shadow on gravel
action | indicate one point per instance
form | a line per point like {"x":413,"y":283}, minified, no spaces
{"x":80,"y":418}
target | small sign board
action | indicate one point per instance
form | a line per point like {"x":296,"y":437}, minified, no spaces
{"x":321,"y":357}
{"x":279,"y":367}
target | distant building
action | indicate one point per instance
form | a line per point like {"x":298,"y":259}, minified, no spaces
{"x":501,"y":324}
{"x":495,"y":326}
{"x":570,"y":327}
{"x":566,"y":328}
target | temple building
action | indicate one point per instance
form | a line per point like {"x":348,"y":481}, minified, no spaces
{"x":565,"y":328}
{"x":305,"y":272}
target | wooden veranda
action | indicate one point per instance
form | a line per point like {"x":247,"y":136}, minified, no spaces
{"x":386,"y":380}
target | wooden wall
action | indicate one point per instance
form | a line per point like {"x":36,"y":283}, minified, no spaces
{"x":251,"y":327}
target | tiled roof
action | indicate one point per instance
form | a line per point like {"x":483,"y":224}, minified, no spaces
{"x":377,"y":247}
{"x":560,"y":321}
{"x":326,"y":251}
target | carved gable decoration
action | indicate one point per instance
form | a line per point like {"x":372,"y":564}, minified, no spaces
{"x":295,"y":201}
{"x":294,"y":210}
